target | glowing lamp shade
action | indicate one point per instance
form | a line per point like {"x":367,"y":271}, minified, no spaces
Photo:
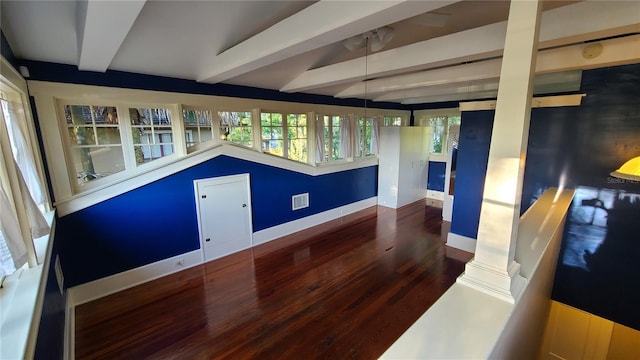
{"x":629,"y":170}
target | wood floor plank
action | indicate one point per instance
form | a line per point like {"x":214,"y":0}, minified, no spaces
{"x":338,"y":290}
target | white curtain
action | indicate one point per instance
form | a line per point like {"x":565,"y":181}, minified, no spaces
{"x":375,"y":135}
{"x":357,"y":150}
{"x":345,"y":138}
{"x":320,"y":153}
{"x":13,"y":251}
{"x":22,"y":152}
{"x":20,"y":219}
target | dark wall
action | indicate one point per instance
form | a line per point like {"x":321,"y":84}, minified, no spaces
{"x":473,"y":153}
{"x":436,"y":175}
{"x":6,"y":51}
{"x":50,"y":341}
{"x":598,"y":265}
{"x":159,"y":220}
{"x":46,"y":71}
{"x":576,"y":147}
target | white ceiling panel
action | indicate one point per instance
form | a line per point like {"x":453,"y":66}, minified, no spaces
{"x":296,"y":46}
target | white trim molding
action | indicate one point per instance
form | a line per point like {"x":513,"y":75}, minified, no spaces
{"x":49,"y":96}
{"x":461,"y":242}
{"x":272,"y":233}
{"x":86,"y":199}
{"x":536,"y":102}
{"x":96,"y":289}
{"x":433,"y":194}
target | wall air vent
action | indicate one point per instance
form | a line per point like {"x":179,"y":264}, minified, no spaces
{"x":300,"y":201}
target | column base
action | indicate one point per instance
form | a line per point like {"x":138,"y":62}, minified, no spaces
{"x":505,"y":285}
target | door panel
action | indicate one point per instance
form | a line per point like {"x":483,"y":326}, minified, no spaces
{"x":224,"y":216}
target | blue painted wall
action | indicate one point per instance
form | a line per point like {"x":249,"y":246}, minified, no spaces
{"x":576,"y":147}
{"x":46,"y":71}
{"x":473,"y":153}
{"x":158,"y":220}
{"x":50,"y":341}
{"x":436,"y":175}
{"x":6,"y":51}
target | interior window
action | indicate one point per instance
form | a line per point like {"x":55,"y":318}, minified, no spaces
{"x":94,"y":137}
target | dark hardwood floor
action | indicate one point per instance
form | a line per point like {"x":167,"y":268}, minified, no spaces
{"x":345,"y":289}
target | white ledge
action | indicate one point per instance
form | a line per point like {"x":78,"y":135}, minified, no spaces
{"x":94,"y":196}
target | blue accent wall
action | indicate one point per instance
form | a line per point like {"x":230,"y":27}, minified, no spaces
{"x":50,"y":340}
{"x":159,"y":220}
{"x":46,"y":71}
{"x":575,"y":147}
{"x":6,"y":51}
{"x":436,"y":175}
{"x":471,"y":168}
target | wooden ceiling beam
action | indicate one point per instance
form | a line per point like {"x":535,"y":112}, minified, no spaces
{"x":101,"y":27}
{"x":320,"y":24}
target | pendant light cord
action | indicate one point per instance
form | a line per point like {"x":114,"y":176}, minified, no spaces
{"x":366,"y":70}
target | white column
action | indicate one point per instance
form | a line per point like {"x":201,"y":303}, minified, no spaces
{"x":493,"y":270}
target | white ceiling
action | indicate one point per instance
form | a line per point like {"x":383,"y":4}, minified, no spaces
{"x":441,"y":50}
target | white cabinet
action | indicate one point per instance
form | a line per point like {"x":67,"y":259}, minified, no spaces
{"x":403,"y":161}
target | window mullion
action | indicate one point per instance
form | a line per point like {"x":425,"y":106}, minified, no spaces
{"x":178,"y":137}
{"x":215,"y":126}
{"x":285,"y":135}
{"x":256,"y":122}
{"x":128,"y":149}
{"x":311,"y":138}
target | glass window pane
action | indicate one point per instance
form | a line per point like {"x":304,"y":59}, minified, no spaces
{"x":265,"y":119}
{"x":105,"y":115}
{"x":78,"y":114}
{"x":82,"y":136}
{"x":108,"y":135}
{"x":245,"y":118}
{"x":198,"y":125}
{"x":235,"y":126}
{"x":189,"y":117}
{"x":206,"y":134}
{"x":93,"y":163}
{"x":437,"y":134}
{"x":266,"y":133}
{"x":156,"y":131}
{"x":298,"y":150}
{"x":276,"y":119}
{"x":276,"y":133}
{"x":138,"y":116}
{"x":90,"y":129}
{"x":143,"y":154}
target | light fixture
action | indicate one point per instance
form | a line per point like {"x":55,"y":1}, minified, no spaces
{"x":376,"y":39}
{"x":630,"y":170}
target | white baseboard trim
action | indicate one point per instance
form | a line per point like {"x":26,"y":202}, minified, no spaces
{"x":69,"y":345}
{"x":461,"y":242}
{"x":96,"y":289}
{"x":278,"y":231}
{"x":433,"y":194}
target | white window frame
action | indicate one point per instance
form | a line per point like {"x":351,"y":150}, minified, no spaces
{"x":364,"y":150}
{"x":423,"y":118}
{"x":48,"y":95}
{"x":20,"y":292}
{"x":328,"y":142}
{"x":215,"y":129}
{"x":285,"y":132}
{"x":394,"y":120}
{"x":126,"y":138}
{"x":71,"y":147}
{"x":252,"y":126}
